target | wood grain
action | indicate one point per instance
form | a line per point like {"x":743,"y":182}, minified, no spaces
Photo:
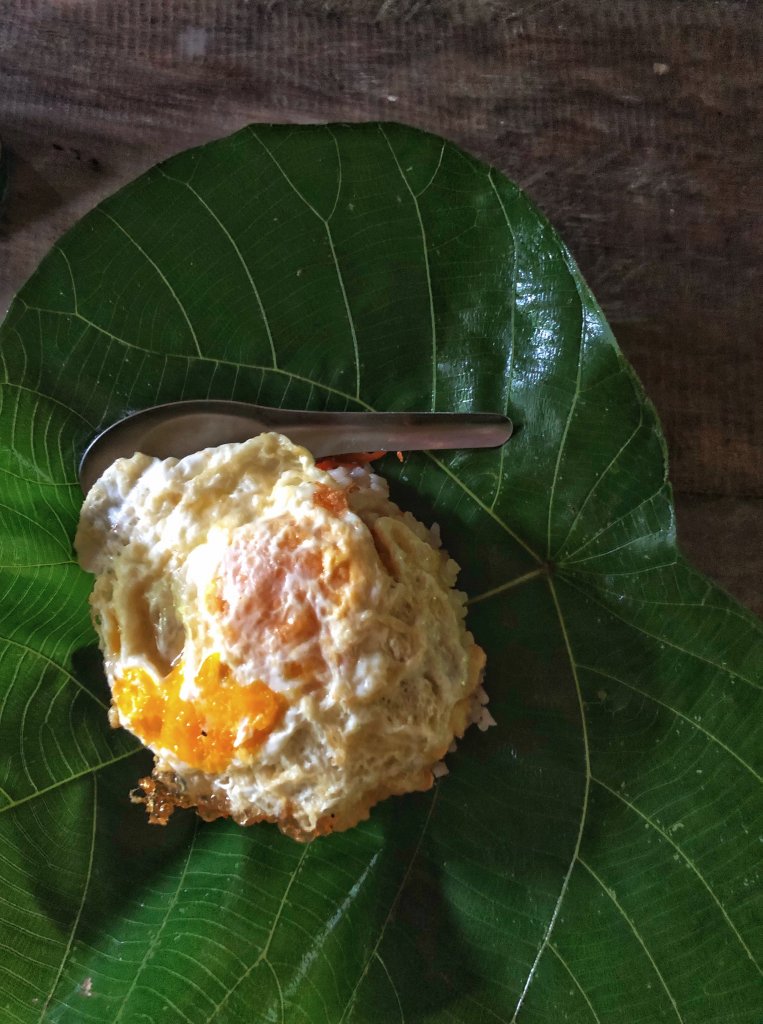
{"x":634,"y":124}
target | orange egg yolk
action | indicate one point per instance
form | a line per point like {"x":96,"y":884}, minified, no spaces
{"x":201,"y":732}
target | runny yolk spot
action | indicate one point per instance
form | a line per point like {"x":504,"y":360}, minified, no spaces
{"x":332,"y":499}
{"x":202,"y":732}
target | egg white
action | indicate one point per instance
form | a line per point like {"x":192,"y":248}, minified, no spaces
{"x":347,"y":612}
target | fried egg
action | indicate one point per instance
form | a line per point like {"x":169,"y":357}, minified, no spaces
{"x":287,"y":642}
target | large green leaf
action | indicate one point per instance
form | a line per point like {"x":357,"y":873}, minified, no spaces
{"x":595,"y":856}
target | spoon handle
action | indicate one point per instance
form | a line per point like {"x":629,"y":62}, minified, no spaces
{"x":334,"y":433}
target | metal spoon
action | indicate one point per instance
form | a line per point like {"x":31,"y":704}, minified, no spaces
{"x":180,"y":428}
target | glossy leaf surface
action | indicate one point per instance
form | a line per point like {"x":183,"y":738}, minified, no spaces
{"x":595,"y":857}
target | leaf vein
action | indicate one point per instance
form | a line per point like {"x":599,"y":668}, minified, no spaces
{"x":72,"y":778}
{"x":575,"y":981}
{"x":335,"y":258}
{"x":635,"y":931}
{"x":209,"y":359}
{"x":159,"y":271}
{"x":503,"y":587}
{"x":54,"y":664}
{"x":393,"y":905}
{"x":427,"y":268}
{"x":239,"y":256}
{"x":662,"y":639}
{"x":85,"y":890}
{"x":615,"y":522}
{"x":37,"y":394}
{"x":602,"y":476}
{"x":512,"y":322}
{"x":157,"y":934}
{"x":262,"y":956}
{"x":679,"y":714}
{"x":481,"y":504}
{"x":392,"y":985}
{"x":435,"y":172}
{"x":565,"y":432}
{"x":583,"y":810}
{"x":687,"y":860}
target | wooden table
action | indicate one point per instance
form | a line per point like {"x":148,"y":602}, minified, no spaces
{"x":633,"y":123}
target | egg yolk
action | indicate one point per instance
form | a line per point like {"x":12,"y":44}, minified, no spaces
{"x":223,"y":721}
{"x":333,"y":499}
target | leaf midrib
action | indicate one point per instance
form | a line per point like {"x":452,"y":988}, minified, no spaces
{"x":575,"y":858}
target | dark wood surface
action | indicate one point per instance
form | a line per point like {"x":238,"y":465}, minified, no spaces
{"x":634,"y":124}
